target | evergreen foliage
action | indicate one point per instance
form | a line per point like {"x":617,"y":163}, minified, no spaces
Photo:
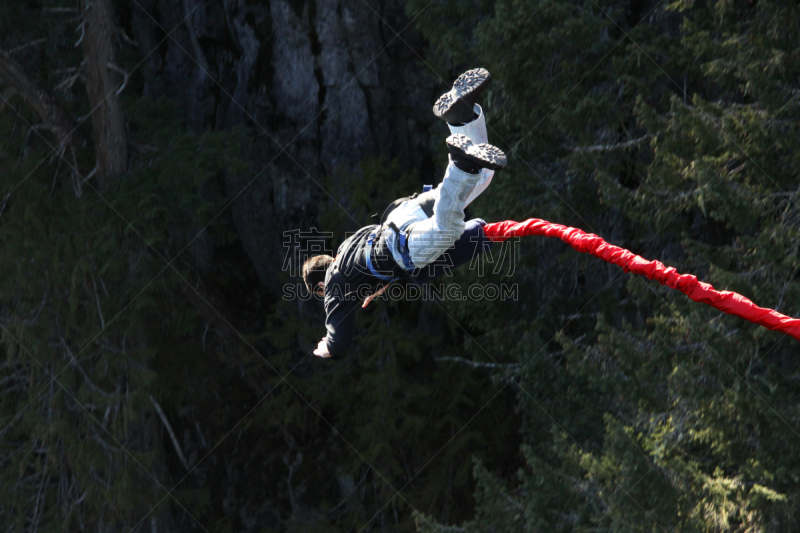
{"x":150,"y":380}
{"x":670,"y":130}
{"x":88,"y":312}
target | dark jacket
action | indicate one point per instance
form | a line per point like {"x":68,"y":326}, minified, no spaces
{"x":348,"y":280}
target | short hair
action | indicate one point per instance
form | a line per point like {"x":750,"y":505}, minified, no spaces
{"x":314,"y":270}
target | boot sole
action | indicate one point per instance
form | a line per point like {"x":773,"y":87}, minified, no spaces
{"x":462,"y":96}
{"x":481,"y":155}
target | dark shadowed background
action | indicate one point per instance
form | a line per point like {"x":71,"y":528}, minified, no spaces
{"x":162,"y":163}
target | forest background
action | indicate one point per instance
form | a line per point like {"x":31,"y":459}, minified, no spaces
{"x":154,"y":155}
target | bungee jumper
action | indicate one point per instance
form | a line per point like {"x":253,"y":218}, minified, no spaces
{"x":421,"y":237}
{"x":424,"y":236}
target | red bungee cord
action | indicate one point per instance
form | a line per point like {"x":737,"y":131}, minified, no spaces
{"x":727,"y":301}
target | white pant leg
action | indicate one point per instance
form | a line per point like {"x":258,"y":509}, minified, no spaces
{"x":476,"y":131}
{"x":433,"y":236}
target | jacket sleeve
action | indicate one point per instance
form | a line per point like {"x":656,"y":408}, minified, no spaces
{"x":340,"y":323}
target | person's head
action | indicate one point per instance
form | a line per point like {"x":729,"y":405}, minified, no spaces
{"x":314,"y":273}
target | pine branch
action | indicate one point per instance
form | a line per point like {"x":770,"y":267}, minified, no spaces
{"x":39,"y":100}
{"x":477,"y":364}
{"x":172,"y":436}
{"x":5,"y":201}
{"x":6,"y":97}
{"x":26,"y":45}
{"x":611,"y":147}
{"x":122,"y":72}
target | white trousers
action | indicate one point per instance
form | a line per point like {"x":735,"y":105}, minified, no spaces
{"x":431,"y":237}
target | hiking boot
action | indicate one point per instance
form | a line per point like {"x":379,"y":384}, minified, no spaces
{"x":471,"y":157}
{"x":456,"y":106}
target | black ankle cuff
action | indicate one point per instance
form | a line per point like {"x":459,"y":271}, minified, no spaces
{"x":466,"y":167}
{"x":459,"y":124}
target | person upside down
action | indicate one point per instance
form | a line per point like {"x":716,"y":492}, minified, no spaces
{"x":421,"y":237}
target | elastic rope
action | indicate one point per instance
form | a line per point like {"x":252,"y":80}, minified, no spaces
{"x":726,"y":301}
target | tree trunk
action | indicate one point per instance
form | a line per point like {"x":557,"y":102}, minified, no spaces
{"x":109,"y":127}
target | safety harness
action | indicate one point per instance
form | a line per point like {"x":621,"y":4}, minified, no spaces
{"x":402,"y":247}
{"x":426,"y":204}
{"x":368,"y":256}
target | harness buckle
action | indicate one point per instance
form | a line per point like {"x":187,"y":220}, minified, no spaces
{"x":402,"y":245}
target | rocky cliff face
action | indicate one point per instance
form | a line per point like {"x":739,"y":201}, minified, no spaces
{"x":319,"y":83}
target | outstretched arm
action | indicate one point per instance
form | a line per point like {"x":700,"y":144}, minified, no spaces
{"x":340,"y":323}
{"x":374,"y":295}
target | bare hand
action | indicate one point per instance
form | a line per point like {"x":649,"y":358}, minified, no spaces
{"x":374,"y":295}
{"x":322,"y":349}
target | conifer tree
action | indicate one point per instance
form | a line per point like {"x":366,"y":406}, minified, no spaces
{"x":671,"y":130}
